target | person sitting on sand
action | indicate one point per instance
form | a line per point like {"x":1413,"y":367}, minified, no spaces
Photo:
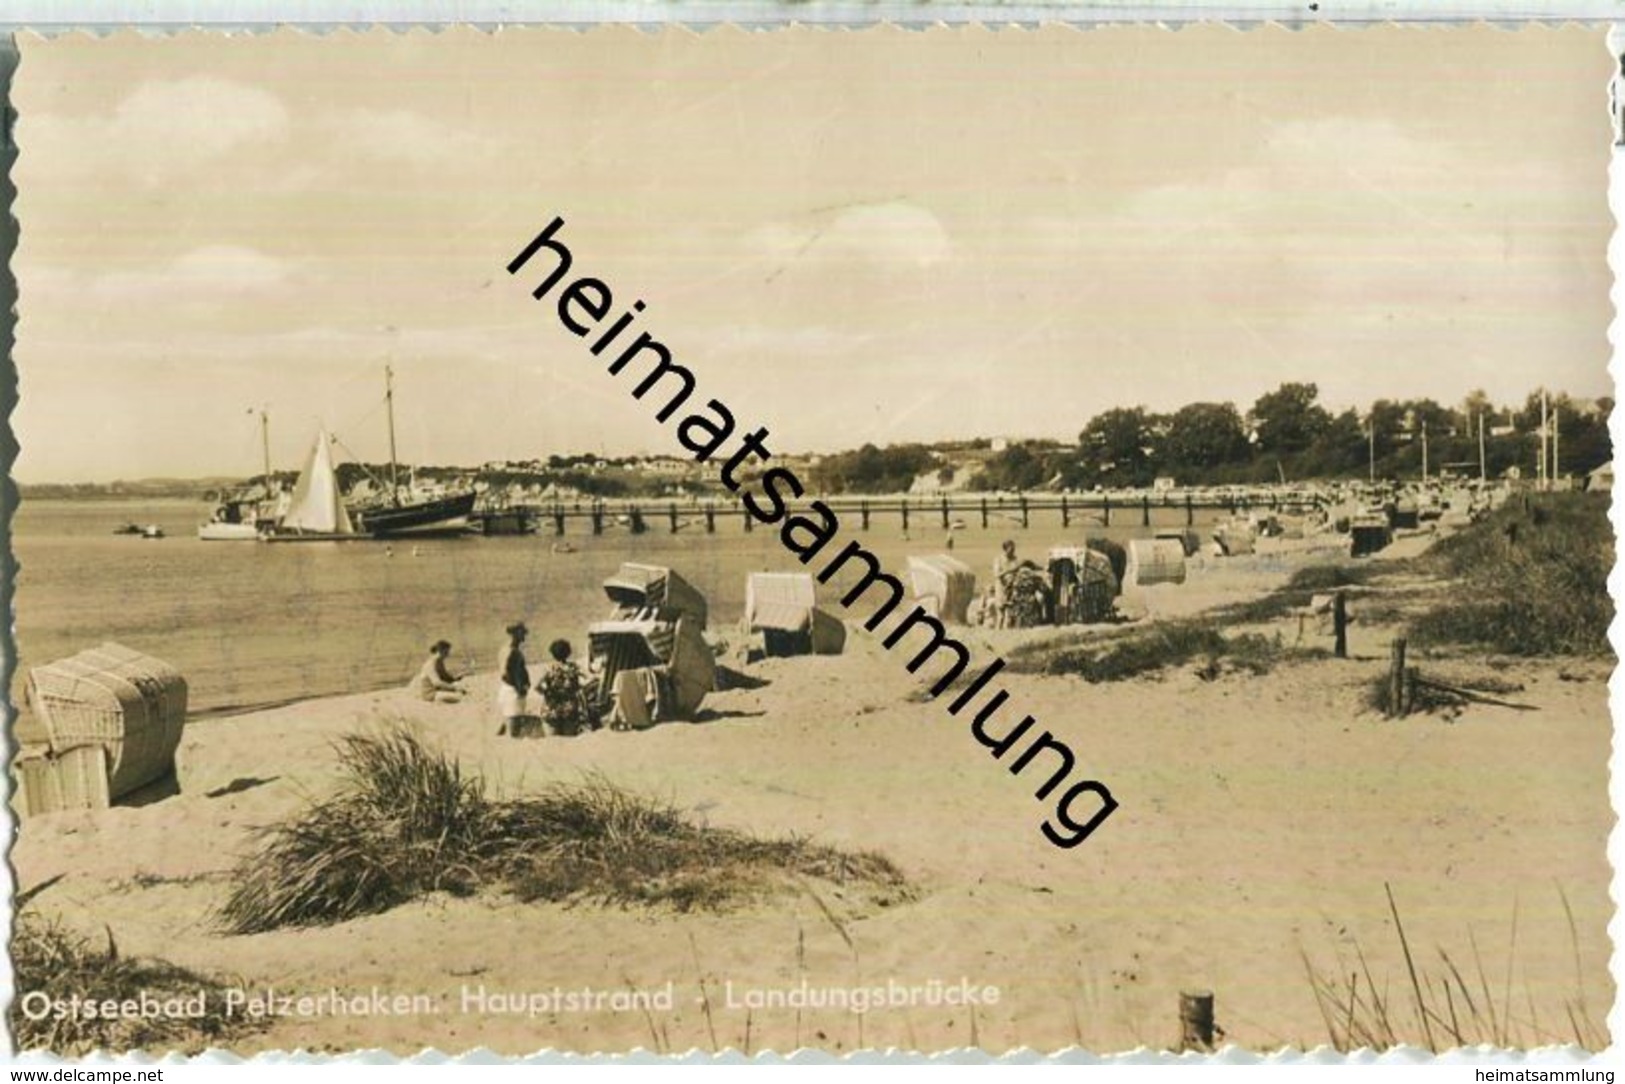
{"x":435,"y":683}
{"x":564,"y":700}
{"x":514,"y":684}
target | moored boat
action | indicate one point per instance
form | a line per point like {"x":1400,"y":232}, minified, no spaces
{"x":410,"y":509}
{"x":244,"y":516}
{"x":316,"y":511}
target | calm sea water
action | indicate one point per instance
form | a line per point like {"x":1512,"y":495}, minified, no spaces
{"x":255,"y":624}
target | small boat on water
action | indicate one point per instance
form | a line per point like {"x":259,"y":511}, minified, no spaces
{"x":244,"y":516}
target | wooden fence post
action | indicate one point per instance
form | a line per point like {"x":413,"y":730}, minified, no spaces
{"x":1340,"y":623}
{"x":863,"y":509}
{"x":1145,"y":510}
{"x":984,"y":513}
{"x":1396,"y":678}
{"x":1196,"y":1020}
{"x":1066,"y":514}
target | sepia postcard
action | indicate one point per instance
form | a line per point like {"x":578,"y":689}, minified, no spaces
{"x":847,"y":541}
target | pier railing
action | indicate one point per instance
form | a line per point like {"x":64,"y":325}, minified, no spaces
{"x":946,"y":511}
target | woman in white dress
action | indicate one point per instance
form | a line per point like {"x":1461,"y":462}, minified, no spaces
{"x":513,"y":678}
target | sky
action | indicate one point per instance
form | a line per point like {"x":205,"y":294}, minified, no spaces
{"x":881,"y":237}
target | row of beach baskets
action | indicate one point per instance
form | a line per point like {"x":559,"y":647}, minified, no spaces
{"x":106,"y":722}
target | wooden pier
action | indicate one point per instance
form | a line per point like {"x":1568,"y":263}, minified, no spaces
{"x":640,"y":516}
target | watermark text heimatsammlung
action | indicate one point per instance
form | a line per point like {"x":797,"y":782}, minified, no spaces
{"x":584,"y":304}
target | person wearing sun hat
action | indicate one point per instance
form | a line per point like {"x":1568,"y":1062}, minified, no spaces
{"x":513,"y":678}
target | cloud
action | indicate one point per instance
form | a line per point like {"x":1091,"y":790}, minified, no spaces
{"x":399,"y":135}
{"x":160,"y":130}
{"x":891,"y":234}
{"x":210,"y":270}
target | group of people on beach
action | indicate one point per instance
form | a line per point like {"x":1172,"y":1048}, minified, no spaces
{"x":565,"y":705}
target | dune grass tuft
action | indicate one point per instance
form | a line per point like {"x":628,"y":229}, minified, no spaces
{"x":1440,"y":1003}
{"x":1534,"y":576}
{"x":1158,"y":647}
{"x":59,"y":964}
{"x":406,"y":822}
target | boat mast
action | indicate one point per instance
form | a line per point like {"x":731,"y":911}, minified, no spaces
{"x":265,"y":446}
{"x":389,"y":406}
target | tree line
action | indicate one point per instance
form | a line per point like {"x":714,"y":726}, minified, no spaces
{"x":1288,"y":434}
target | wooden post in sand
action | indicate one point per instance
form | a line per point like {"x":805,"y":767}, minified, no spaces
{"x":984,"y":513}
{"x":1145,"y":510}
{"x":1196,"y":1020}
{"x":1396,"y":678}
{"x":905,"y":515}
{"x":945,"y":513}
{"x":558,"y":519}
{"x":597,"y":518}
{"x":1106,"y":510}
{"x":863,"y":510}
{"x":1340,"y":625}
{"x":710,"y":517}
{"x":1190,"y":511}
{"x":671,"y":510}
{"x":1066,"y":513}
{"x":1024,"y":511}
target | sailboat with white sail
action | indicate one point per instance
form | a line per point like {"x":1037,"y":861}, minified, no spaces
{"x":316,"y":511}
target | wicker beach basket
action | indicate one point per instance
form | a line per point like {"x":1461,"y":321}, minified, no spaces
{"x":1153,"y":561}
{"x":783,"y":608}
{"x":944,"y":585}
{"x":130,"y":704}
{"x":50,"y":783}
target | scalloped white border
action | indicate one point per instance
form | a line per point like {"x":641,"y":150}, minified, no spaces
{"x":259,"y":16}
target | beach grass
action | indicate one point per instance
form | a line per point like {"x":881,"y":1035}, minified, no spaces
{"x":1167,"y":644}
{"x":50,"y":960}
{"x":1533,"y":579}
{"x":407,"y":822}
{"x":1303,"y":585}
{"x":1441,"y":1003}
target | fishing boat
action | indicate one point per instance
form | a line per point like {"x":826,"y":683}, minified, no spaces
{"x":316,"y":511}
{"x":411,"y":509}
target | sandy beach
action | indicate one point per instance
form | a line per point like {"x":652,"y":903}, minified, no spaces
{"x":1261,"y":817}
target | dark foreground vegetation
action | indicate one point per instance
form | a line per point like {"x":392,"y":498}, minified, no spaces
{"x":1442,"y":1000}
{"x":54,"y":963}
{"x":1533,"y":579}
{"x":407,"y":822}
